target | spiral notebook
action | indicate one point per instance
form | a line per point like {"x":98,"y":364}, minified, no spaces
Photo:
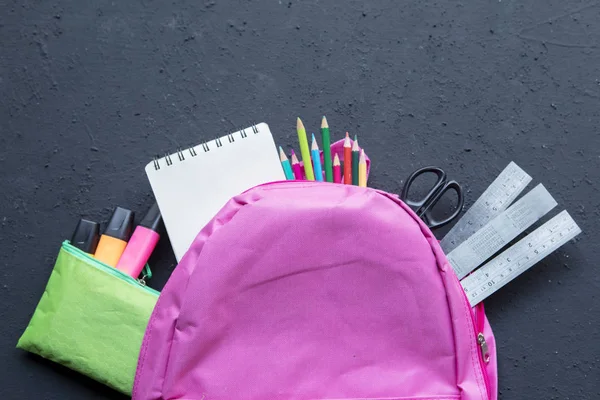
{"x":192,"y":185}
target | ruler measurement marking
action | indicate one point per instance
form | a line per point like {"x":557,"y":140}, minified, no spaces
{"x":495,"y":199}
{"x":519,"y":257}
{"x":501,"y":230}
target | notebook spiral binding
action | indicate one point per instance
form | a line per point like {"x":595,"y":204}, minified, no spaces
{"x":182,"y":152}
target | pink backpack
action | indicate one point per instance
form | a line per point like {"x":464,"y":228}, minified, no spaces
{"x":312,"y":290}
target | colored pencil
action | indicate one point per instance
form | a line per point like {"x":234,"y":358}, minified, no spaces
{"x":337,"y":169}
{"x":296,"y":167}
{"x":326,"y":150}
{"x":308,"y":170}
{"x":362,"y":169}
{"x":285,"y":163}
{"x":347,"y":160}
{"x":316,"y":158}
{"x":355,"y":156}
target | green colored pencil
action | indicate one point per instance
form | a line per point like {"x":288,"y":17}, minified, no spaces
{"x":355,"y":159}
{"x":326,"y":150}
{"x":285,"y":163}
{"x":304,"y":151}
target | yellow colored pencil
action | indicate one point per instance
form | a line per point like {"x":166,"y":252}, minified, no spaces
{"x":362,"y":169}
{"x":304,"y":151}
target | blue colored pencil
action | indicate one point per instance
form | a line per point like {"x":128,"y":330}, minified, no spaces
{"x":316,"y":158}
{"x":285,"y":163}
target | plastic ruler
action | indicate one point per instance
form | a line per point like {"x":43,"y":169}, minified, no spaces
{"x":501,"y":230}
{"x":496,"y":198}
{"x":519,"y":257}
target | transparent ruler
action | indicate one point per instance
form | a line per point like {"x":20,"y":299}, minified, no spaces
{"x":498,"y":232}
{"x":496,"y":198}
{"x":519,"y":257}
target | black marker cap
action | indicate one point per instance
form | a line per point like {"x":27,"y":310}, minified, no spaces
{"x":120,"y":225}
{"x":153,"y":219}
{"x":86,"y":236}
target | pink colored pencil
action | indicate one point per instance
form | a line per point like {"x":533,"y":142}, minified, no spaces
{"x":337,"y":169}
{"x":296,"y":167}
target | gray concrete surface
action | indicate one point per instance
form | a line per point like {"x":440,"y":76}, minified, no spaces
{"x":90,"y":91}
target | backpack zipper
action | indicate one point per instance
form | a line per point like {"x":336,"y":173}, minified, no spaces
{"x":74,"y":251}
{"x":478,"y":318}
{"x":484,"y":347}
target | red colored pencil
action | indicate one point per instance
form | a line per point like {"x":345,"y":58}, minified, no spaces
{"x":337,"y":169}
{"x":347,"y":160}
{"x":296,"y":167}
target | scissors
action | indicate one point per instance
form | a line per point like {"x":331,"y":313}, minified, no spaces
{"x":423,"y":208}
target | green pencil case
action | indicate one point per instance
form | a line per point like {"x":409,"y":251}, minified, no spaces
{"x":91,"y":318}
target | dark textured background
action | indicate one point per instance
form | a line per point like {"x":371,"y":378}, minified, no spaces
{"x":90,"y":91}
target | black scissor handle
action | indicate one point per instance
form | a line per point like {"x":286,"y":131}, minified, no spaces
{"x":418,"y":206}
{"x":427,"y":210}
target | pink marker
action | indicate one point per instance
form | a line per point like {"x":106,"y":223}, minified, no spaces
{"x":142,"y":243}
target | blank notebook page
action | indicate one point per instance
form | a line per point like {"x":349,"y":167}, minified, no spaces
{"x":190,"y":189}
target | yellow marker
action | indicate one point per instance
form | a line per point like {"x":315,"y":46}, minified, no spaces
{"x":304,"y":151}
{"x":362,"y":169}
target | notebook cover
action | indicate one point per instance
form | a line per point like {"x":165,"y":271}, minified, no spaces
{"x":193,"y":184}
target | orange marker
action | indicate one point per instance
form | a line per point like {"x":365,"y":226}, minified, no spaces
{"x":114,"y":240}
{"x":347,"y":160}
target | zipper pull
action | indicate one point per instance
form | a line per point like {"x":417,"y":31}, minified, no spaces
{"x":147,"y":274}
{"x":485,"y":352}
